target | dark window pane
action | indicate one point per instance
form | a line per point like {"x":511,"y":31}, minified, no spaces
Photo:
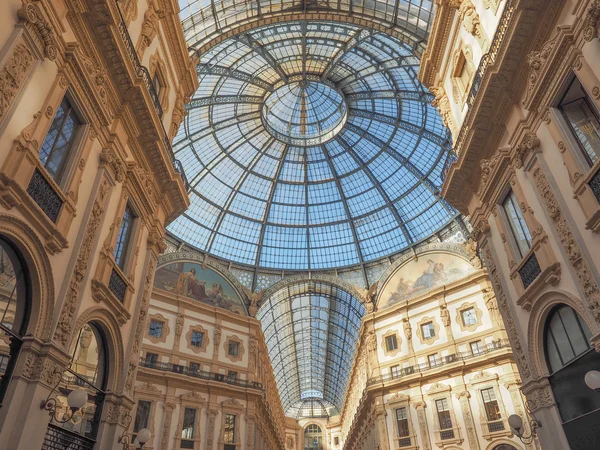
{"x":189,"y":424}
{"x":443,"y":414}
{"x":156,"y":328}
{"x":582,"y":118}
{"x":517,"y":224}
{"x":567,"y":337}
{"x":142,"y":415}
{"x":123,"y":237}
{"x":197,"y":338}
{"x":54,"y":152}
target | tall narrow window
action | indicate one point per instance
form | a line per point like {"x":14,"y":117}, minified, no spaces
{"x":58,"y":143}
{"x":444,"y":419}
{"x":582,"y":117}
{"x":188,"y":432}
{"x":124,"y":237}
{"x":517,"y":224}
{"x":229,"y":432}
{"x":402,"y":422}
{"x":142,"y":416}
{"x":492,"y":410}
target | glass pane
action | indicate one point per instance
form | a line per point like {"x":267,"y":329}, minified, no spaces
{"x":469,"y":317}
{"x":574,"y":330}
{"x":142,"y":415}
{"x":155,"y":328}
{"x":189,"y":423}
{"x":123,"y":238}
{"x":582,"y":117}
{"x":517,"y":224}
{"x":561,"y":339}
{"x":229,"y":434}
{"x":57,"y":144}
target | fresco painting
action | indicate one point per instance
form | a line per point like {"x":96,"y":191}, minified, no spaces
{"x":418,"y":277}
{"x":202,"y":284}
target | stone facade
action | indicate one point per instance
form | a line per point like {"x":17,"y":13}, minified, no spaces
{"x":62,"y":215}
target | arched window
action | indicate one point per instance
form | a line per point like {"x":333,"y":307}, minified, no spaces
{"x":313,"y":437}
{"x":570,"y":357}
{"x":87,"y":370}
{"x":567,"y":337}
{"x":14,"y":310}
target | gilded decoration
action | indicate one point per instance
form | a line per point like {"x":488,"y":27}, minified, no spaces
{"x":460,"y":319}
{"x":205,"y":339}
{"x":240,"y":348}
{"x":164,"y":331}
{"x":436,"y":334}
{"x":384,"y":346}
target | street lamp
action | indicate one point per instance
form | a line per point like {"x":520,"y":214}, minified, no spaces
{"x":76,"y":400}
{"x":592,"y":379}
{"x":516,"y":425}
{"x":141,"y":438}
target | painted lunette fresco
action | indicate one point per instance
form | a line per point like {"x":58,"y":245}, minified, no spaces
{"x":417,"y":277}
{"x":191,"y":280}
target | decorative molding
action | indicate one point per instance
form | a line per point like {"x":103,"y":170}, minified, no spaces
{"x":12,"y":76}
{"x":565,"y":235}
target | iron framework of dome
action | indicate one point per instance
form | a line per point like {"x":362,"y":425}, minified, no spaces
{"x":345,"y":172}
{"x":311,"y":329}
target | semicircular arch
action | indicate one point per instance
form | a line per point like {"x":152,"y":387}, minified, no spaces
{"x":39,"y":269}
{"x":115,"y":377}
{"x":536,"y":326}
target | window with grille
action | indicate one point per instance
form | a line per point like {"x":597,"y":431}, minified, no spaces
{"x":391,"y":343}
{"x":194,"y":367}
{"x":428,"y":330}
{"x":188,"y":431}
{"x":156,"y":328}
{"x":583,"y":119}
{"x":516,"y":222}
{"x":476,"y":347}
{"x":469,"y":317}
{"x":395,"y":371}
{"x":197,"y":338}
{"x":402,"y":422}
{"x":124,"y":237}
{"x":444,"y":418}
{"x":58,"y":143}
{"x":433,"y":360}
{"x":151,"y":358}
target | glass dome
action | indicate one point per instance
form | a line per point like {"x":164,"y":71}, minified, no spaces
{"x":311,"y":145}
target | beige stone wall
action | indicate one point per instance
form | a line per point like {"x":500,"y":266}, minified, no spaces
{"x":524,"y":145}
{"x":66,"y":228}
{"x":411,"y":377}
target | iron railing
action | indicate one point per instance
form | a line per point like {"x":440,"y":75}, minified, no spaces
{"x":42,"y":192}
{"x":530,"y":271}
{"x":117,"y":285}
{"x":445,"y":360}
{"x":184,"y":370}
{"x":58,"y":438}
{"x":495,"y":426}
{"x":143,"y":72}
{"x":486,"y":61}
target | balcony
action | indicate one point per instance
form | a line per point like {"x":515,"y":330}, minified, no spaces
{"x":200,"y":374}
{"x":58,"y":438}
{"x":443,"y":361}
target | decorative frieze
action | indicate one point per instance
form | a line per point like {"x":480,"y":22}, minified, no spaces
{"x":12,"y":76}
{"x":567,"y":239}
